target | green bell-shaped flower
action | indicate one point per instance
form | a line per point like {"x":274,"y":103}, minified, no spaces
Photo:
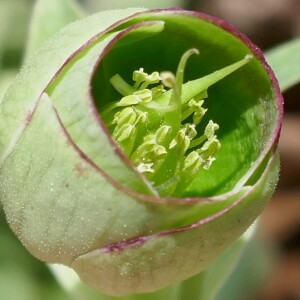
{"x":131,"y":160}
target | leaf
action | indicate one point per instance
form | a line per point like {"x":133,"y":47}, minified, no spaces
{"x":240,"y":271}
{"x":48,"y":17}
{"x":285,"y":62}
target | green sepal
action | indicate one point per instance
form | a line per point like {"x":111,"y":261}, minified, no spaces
{"x":171,"y":257}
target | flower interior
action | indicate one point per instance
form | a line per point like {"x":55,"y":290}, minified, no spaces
{"x":158,"y":124}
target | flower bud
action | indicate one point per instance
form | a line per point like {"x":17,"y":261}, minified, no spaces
{"x":139,"y":195}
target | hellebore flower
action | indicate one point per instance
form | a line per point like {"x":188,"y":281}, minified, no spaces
{"x":131,"y":159}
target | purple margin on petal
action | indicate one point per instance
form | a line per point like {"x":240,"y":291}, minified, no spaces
{"x":117,"y":184}
{"x":254,"y":49}
{"x":260,"y":56}
{"x":135,"y":242}
{"x":93,"y":107}
{"x":225,"y":26}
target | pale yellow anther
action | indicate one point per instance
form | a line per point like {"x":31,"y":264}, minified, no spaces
{"x":144,"y":95}
{"x":198,"y":115}
{"x":192,"y":162}
{"x":181,"y":142}
{"x":157,"y":91}
{"x":194,"y":107}
{"x":148,"y":151}
{"x":142,"y":117}
{"x":210,"y":129}
{"x":195,"y":104}
{"x":183,"y":138}
{"x":126,"y":121}
{"x":148,"y":161}
{"x":162,"y":133}
{"x":142,"y":79}
{"x":153,"y":78}
{"x":184,"y":145}
{"x":142,"y":152}
{"x":191,"y":131}
{"x":124,"y":132}
{"x":158,"y":151}
{"x":125,"y":116}
{"x":129,"y":100}
{"x":178,"y":139}
{"x":199,"y":111}
{"x":149,"y":139}
{"x":139,"y":76}
{"x":209,"y":148}
{"x":173,"y":144}
{"x":158,"y":137}
{"x":145,"y":168}
{"x":208,"y":162}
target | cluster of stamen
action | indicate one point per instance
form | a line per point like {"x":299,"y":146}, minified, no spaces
{"x":169,"y":156}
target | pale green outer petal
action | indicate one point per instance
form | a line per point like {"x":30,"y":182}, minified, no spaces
{"x":63,"y":207}
{"x":70,"y":93}
{"x":38,"y":73}
{"x":153,"y":263}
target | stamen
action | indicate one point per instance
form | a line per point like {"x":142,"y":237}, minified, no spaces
{"x":192,"y":162}
{"x":162,"y":133}
{"x":124,"y":132}
{"x":121,"y":85}
{"x":151,"y":79}
{"x":183,"y":138}
{"x":210,"y":129}
{"x":194,"y":107}
{"x":125,"y":116}
{"x":142,"y":79}
{"x":210,"y":147}
{"x":157,"y":127}
{"x":145,"y":95}
{"x":145,"y":168}
{"x":157,"y":91}
{"x":129,"y":100}
{"x":209,"y":132}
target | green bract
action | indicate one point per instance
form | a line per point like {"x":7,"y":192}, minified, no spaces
{"x":89,"y":177}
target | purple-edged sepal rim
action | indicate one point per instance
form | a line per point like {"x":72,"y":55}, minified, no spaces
{"x":151,"y":262}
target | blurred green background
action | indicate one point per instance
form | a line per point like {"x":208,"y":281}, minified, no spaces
{"x":267,"y":23}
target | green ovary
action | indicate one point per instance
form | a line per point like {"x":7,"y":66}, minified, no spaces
{"x":155,"y":124}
